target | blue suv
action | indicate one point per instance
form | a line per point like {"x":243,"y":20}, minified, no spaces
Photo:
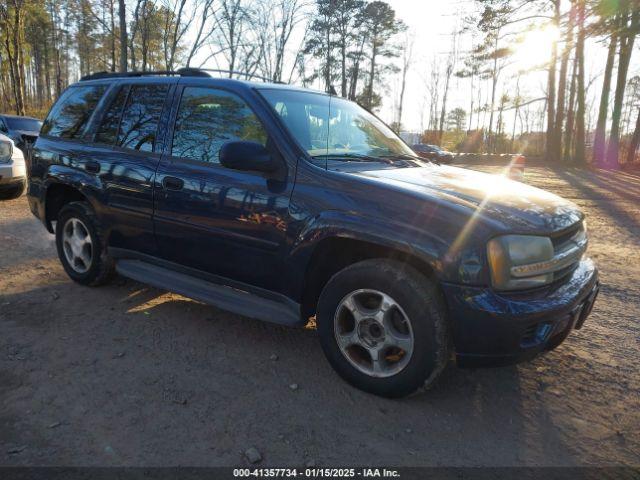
{"x":290,"y":205}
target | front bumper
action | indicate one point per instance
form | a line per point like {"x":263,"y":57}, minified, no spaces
{"x":493,"y":329}
{"x":13,"y":172}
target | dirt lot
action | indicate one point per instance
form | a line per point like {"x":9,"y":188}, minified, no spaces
{"x":130,"y":375}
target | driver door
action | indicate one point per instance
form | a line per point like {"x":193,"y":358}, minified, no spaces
{"x":207,"y":217}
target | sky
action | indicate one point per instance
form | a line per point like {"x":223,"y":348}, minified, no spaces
{"x":431,"y":23}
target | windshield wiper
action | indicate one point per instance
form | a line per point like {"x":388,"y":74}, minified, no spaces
{"x":356,"y":157}
{"x":410,"y":157}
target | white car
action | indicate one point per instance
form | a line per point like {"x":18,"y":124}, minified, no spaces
{"x":13,"y":170}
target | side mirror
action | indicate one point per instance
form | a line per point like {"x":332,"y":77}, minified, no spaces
{"x":247,"y":156}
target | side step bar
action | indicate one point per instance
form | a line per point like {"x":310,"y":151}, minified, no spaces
{"x":221,"y":296}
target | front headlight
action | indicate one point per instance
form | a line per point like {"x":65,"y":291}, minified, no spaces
{"x":6,"y":150}
{"x":514,"y":261}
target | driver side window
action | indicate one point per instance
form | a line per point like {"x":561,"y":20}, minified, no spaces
{"x":207,"y":119}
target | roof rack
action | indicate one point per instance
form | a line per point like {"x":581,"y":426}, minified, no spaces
{"x":246,"y":75}
{"x":183,"y":72}
{"x":188,"y":72}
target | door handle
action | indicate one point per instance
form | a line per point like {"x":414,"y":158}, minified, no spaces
{"x":172,"y":183}
{"x":92,"y":166}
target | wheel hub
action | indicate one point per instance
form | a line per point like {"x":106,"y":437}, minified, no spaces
{"x":373,"y":333}
{"x":77,"y":245}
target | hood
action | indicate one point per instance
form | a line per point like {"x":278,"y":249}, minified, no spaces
{"x":519,"y":207}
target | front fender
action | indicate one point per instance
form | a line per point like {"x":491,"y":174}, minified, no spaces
{"x":412,"y":241}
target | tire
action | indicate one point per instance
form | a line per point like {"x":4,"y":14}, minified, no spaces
{"x":80,"y":219}
{"x":12,"y":192}
{"x":418,"y":305}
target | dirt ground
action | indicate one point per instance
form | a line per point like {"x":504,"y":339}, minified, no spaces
{"x":130,"y":375}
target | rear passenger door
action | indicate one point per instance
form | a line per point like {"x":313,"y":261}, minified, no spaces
{"x":211,"y":218}
{"x":62,"y":150}
{"x":127,"y":146}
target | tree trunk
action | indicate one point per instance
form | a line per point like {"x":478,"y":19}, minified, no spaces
{"x":353,"y":87}
{"x":515,"y":115}
{"x":627,"y":38}
{"x":568,"y":131}
{"x":122,"y":13}
{"x":327,"y":66}
{"x":13,"y":47}
{"x":372,"y":73}
{"x":443,"y":111}
{"x":494,"y":83}
{"x":580,"y":127}
{"x":551,"y":88}
{"x":635,"y":141}
{"x":343,"y":53}
{"x":471,"y":106}
{"x":599,"y":144}
{"x":134,"y":31}
{"x":112,"y":14}
{"x":12,"y":74}
{"x":556,"y":139}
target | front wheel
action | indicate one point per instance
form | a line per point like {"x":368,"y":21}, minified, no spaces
{"x":382,"y":327}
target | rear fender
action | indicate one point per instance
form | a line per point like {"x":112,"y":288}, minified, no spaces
{"x":88,"y":185}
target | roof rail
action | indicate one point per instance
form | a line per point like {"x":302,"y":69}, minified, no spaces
{"x":183,"y":72}
{"x":247,"y":75}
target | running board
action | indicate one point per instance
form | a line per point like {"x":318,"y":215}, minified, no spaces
{"x":222,"y":296}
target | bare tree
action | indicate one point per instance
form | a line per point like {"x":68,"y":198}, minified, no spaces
{"x":176,"y":26}
{"x":451,"y":64}
{"x":629,"y":27}
{"x":231,"y":21}
{"x":433,"y":87}
{"x":580,"y":93}
{"x":555,"y":141}
{"x":122,"y":14}
{"x":204,"y":31}
{"x":569,"y":128}
{"x":273,"y":22}
{"x":407,"y":54}
{"x":12,"y":19}
{"x":599,"y":146}
{"x":551,"y":85}
{"x":635,"y":141}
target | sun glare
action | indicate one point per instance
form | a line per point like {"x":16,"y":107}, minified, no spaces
{"x":535,"y":46}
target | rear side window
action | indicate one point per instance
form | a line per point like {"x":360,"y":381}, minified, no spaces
{"x":139,"y":124}
{"x":71,"y":113}
{"x":108,"y":129}
{"x":208,"y":118}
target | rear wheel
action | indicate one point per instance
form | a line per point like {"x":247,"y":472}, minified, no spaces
{"x":382,"y":327}
{"x":80,"y":245}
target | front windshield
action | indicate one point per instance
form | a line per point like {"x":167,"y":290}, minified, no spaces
{"x":330,"y":127}
{"x":29,"y":124}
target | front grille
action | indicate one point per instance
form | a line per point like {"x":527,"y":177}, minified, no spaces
{"x":562,"y":240}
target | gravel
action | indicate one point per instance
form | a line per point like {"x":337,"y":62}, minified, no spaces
{"x":577,"y":405}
